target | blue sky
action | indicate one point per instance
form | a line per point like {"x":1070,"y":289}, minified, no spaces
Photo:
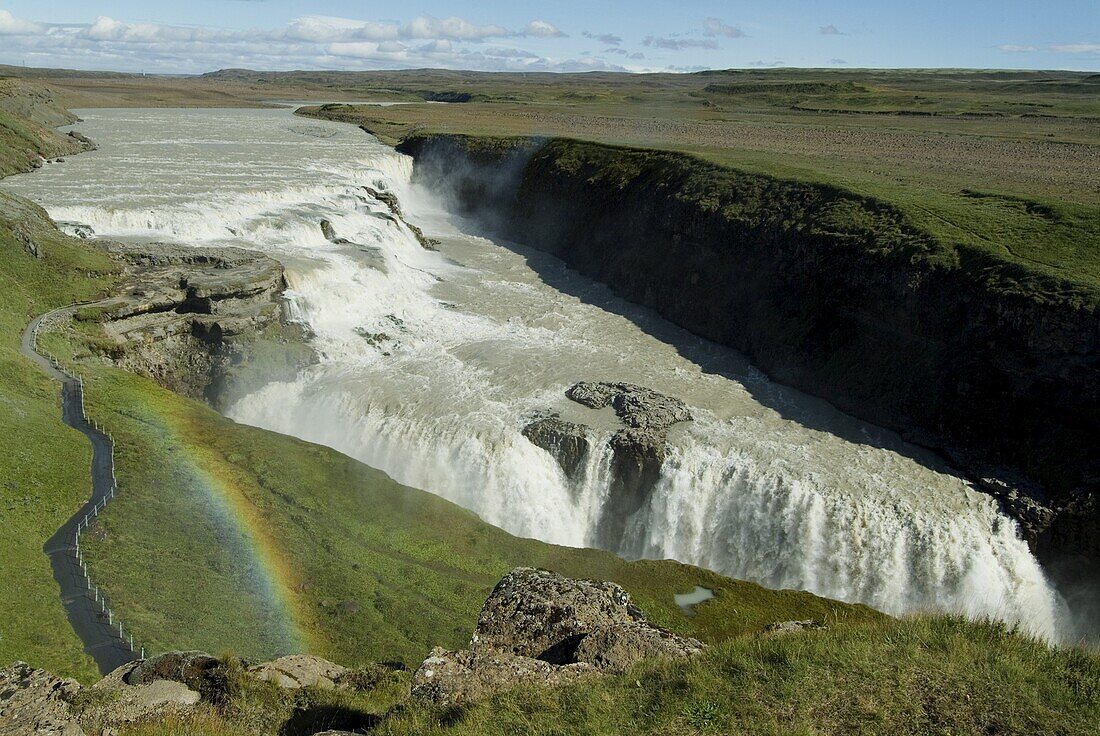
{"x":563,"y":35}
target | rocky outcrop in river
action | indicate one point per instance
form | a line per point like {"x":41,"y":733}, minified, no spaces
{"x":638,"y":450}
{"x":206,"y":322}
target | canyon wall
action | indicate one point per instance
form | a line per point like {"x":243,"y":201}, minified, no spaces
{"x":828,"y":291}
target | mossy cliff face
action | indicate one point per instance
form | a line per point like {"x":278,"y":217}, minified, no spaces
{"x":828,"y":291}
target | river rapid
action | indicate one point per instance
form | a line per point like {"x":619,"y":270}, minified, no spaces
{"x":431,"y":363}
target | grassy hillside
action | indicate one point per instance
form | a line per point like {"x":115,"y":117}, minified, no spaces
{"x":44,"y":467}
{"x":27,"y":114}
{"x":918,"y":676}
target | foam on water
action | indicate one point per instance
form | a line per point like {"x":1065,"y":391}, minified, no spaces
{"x":431,"y":363}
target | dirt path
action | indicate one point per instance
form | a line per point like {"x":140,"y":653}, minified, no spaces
{"x":103,"y":639}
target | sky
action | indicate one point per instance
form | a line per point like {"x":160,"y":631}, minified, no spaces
{"x":194,"y":36}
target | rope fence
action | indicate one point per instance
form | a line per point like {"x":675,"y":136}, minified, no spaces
{"x":93,"y":592}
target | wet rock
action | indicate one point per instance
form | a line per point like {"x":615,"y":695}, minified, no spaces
{"x":390,"y":200}
{"x":1033,"y":515}
{"x":566,"y":442}
{"x":638,"y":451}
{"x":637,"y":456}
{"x":192,"y":319}
{"x":76,"y":229}
{"x":387,"y":198}
{"x":197,"y":670}
{"x":327,"y":230}
{"x":793,"y":627}
{"x":300,"y":670}
{"x":35,"y":703}
{"x":540,"y":627}
{"x":636,"y":406}
{"x":87,"y":143}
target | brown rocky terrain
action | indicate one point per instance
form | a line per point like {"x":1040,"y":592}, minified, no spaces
{"x":193,"y":319}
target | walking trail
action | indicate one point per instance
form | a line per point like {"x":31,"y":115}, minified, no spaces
{"x":90,"y":616}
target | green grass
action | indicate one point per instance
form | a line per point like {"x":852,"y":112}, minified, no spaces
{"x":925,"y":675}
{"x":44,"y":467}
{"x":921,"y":140}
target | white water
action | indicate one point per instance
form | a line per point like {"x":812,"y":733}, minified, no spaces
{"x":766,"y":484}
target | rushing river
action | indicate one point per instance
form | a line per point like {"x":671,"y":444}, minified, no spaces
{"x":431,"y":364}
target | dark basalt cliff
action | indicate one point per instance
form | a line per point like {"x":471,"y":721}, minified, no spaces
{"x":834,"y":293}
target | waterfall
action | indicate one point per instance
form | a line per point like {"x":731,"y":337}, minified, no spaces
{"x":432,"y":363}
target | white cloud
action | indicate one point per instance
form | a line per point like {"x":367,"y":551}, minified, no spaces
{"x":678,"y":44}
{"x":452,"y":28}
{"x":109,"y":29}
{"x":324,"y":29}
{"x":606,"y":38}
{"x":12,"y":26}
{"x":715,"y":27}
{"x":1016,"y":48}
{"x":542,"y":29}
{"x":1076,"y":48}
{"x":308,"y":42}
{"x":830,"y":30}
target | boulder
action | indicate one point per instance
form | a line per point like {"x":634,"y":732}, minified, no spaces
{"x":197,"y":670}
{"x":118,"y":702}
{"x":327,"y":230}
{"x":540,"y":627}
{"x":617,"y":647}
{"x":540,"y":614}
{"x":300,"y":670}
{"x":450,"y":678}
{"x":565,"y":441}
{"x":35,"y":703}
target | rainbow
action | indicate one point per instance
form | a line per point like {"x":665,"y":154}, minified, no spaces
{"x":269,"y":570}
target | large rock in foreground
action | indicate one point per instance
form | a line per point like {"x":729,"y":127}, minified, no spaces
{"x":197,"y":670}
{"x":35,"y":703}
{"x":296,"y":671}
{"x":447,"y":677}
{"x":117,"y":702}
{"x":540,"y":627}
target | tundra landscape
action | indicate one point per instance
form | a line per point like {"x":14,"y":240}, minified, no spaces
{"x":395,"y":400}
